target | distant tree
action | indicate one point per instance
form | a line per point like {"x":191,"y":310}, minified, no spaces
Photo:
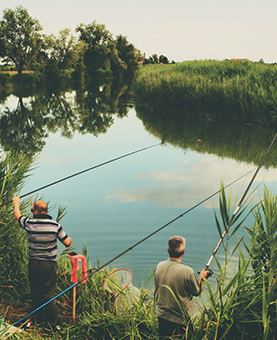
{"x":63,"y":50}
{"x":20,"y":38}
{"x":128,"y":53}
{"x":163,"y":59}
{"x":98,"y":46}
{"x":155,"y":59}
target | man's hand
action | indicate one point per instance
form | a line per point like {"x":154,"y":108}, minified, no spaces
{"x":204,"y":274}
{"x":67,"y":242}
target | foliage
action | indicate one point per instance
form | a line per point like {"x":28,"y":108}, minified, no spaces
{"x":128,"y":54}
{"x":20,"y":38}
{"x":63,"y":53}
{"x":99,"y":43}
{"x":243,"y":305}
{"x":13,"y":244}
{"x":61,"y":57}
{"x":220,"y":90}
{"x":155,"y":59}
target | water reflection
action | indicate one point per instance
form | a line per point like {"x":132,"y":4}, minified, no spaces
{"x":91,"y":109}
{"x":225,"y":138}
{"x":25,"y":127}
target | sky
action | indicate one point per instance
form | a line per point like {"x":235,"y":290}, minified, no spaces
{"x":180,"y":29}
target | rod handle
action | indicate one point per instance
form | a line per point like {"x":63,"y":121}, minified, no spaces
{"x":210,"y":272}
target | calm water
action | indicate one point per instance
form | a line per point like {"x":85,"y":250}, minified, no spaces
{"x":114,"y":206}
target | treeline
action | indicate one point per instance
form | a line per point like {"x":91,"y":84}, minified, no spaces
{"x":243,"y":91}
{"x":90,"y":50}
{"x":155,"y":59}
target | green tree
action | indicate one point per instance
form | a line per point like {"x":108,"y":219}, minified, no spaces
{"x":20,"y":38}
{"x":63,"y":49}
{"x":163,"y":59}
{"x":99,"y":45}
{"x":128,"y":53}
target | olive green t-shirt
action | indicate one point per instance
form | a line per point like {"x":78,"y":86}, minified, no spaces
{"x":175,"y":285}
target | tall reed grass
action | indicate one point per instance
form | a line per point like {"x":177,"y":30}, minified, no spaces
{"x":13,"y":244}
{"x":234,"y":90}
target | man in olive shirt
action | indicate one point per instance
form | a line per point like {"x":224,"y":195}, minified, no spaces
{"x":175,"y":284}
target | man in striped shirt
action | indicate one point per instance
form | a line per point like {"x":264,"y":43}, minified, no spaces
{"x":43,"y":233}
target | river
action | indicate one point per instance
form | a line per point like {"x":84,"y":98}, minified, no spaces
{"x":112,"y":207}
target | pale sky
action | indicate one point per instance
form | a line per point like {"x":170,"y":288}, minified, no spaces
{"x":179,"y":29}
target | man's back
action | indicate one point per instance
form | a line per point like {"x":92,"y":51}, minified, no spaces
{"x":42,"y":236}
{"x":175,"y":285}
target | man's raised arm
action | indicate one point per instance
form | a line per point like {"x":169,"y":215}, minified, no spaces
{"x":16,"y":207}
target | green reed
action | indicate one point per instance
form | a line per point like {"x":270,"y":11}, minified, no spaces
{"x":242,"y":305}
{"x":13,"y":244}
{"x":234,"y":90}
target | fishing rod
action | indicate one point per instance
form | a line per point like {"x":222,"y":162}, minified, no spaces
{"x":94,"y":271}
{"x":232,"y":219}
{"x":83,"y":171}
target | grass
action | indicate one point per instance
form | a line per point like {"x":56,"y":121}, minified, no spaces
{"x":241,"y":304}
{"x":243,"y":91}
{"x":12,"y":72}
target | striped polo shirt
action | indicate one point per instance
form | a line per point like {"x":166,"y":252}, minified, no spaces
{"x":42,"y":236}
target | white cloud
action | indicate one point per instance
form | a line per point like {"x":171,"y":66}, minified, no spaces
{"x":192,"y":183}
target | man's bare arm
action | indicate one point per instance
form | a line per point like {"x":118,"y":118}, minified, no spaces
{"x":16,"y":207}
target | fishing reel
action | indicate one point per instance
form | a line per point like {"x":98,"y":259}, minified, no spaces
{"x":210,"y":272}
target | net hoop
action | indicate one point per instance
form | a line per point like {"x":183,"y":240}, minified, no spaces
{"x":113,"y":274}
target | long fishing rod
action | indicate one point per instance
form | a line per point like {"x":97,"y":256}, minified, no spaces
{"x":83,"y":171}
{"x":238,"y":207}
{"x":94,"y":271}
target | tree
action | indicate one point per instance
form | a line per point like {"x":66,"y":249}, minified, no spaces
{"x":98,"y":46}
{"x":163,"y":59}
{"x":155,"y":59}
{"x":20,"y":38}
{"x":128,"y":53}
{"x":62,"y":50}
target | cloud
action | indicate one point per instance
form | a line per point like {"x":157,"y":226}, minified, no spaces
{"x":192,"y":182}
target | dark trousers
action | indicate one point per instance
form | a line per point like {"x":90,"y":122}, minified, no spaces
{"x":43,"y":277}
{"x":170,"y":330}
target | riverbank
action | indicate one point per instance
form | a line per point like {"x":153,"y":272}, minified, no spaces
{"x":236,"y":90}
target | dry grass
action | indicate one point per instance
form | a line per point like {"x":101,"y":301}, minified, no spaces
{"x":12,"y":72}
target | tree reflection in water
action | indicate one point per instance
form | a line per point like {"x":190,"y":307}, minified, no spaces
{"x":223,"y":138}
{"x":91,"y":110}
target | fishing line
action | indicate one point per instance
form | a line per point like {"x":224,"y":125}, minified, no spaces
{"x":91,"y":272}
{"x":239,"y":206}
{"x":83,"y":171}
